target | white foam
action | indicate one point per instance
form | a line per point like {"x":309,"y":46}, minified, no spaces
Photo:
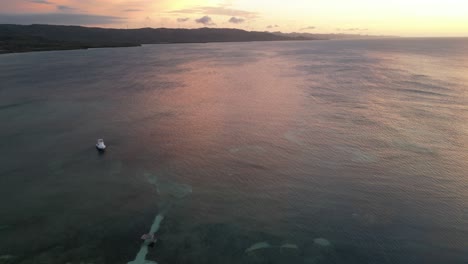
{"x":287,"y":245}
{"x":258,"y":246}
{"x":173,"y":189}
{"x":141,"y":255}
{"x":265,"y":245}
{"x":322,"y":242}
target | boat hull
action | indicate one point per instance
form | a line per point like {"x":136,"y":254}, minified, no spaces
{"x":99,"y":148}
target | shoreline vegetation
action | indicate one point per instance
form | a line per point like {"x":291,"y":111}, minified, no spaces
{"x":30,"y":38}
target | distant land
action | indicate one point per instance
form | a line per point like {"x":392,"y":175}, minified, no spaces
{"x":27,"y":38}
{"x":328,"y":36}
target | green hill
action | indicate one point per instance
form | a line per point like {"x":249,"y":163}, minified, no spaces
{"x":20,"y":38}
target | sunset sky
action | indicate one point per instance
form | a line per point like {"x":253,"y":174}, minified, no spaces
{"x":395,"y":17}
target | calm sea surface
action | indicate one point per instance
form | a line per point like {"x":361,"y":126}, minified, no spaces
{"x":281,"y":152}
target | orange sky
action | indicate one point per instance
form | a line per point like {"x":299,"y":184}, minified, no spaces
{"x":396,"y":17}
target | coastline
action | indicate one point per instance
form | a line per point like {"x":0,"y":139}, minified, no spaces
{"x":4,"y":50}
{"x":32,"y":38}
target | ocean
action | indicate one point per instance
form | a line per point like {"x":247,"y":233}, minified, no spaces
{"x":341,"y":151}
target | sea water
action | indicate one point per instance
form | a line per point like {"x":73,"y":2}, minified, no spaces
{"x":351,"y":151}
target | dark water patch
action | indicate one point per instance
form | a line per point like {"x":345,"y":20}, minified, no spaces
{"x":16,"y":105}
{"x":420,"y":76}
{"x":421,"y":92}
{"x":4,"y":227}
{"x":425,"y":86}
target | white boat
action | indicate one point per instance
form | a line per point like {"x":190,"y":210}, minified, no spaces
{"x":100,"y":144}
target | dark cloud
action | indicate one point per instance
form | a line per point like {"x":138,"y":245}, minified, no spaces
{"x":133,"y":10}
{"x":205,"y":20}
{"x":216,"y":10}
{"x":272,"y":26}
{"x":65,"y":8}
{"x":41,"y":2}
{"x":236,"y":20}
{"x":183,"y":19}
{"x":59,"y":19}
{"x":308,"y":28}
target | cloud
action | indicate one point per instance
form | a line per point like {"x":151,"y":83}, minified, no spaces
{"x":352,"y":29}
{"x":216,"y":10}
{"x":236,"y":20}
{"x":59,"y":19}
{"x":65,"y":8}
{"x":308,"y":28}
{"x":272,"y":26}
{"x":44,"y":2}
{"x":132,"y":10}
{"x":206,"y":20}
{"x":183,"y":19}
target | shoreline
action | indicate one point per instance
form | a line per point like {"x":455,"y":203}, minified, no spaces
{"x":36,"y":37}
{"x":31,"y":38}
{"x":86,"y":47}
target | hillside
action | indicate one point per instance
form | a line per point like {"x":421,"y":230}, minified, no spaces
{"x":19,"y":38}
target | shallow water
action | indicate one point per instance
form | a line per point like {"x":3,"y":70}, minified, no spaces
{"x":279,"y":152}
